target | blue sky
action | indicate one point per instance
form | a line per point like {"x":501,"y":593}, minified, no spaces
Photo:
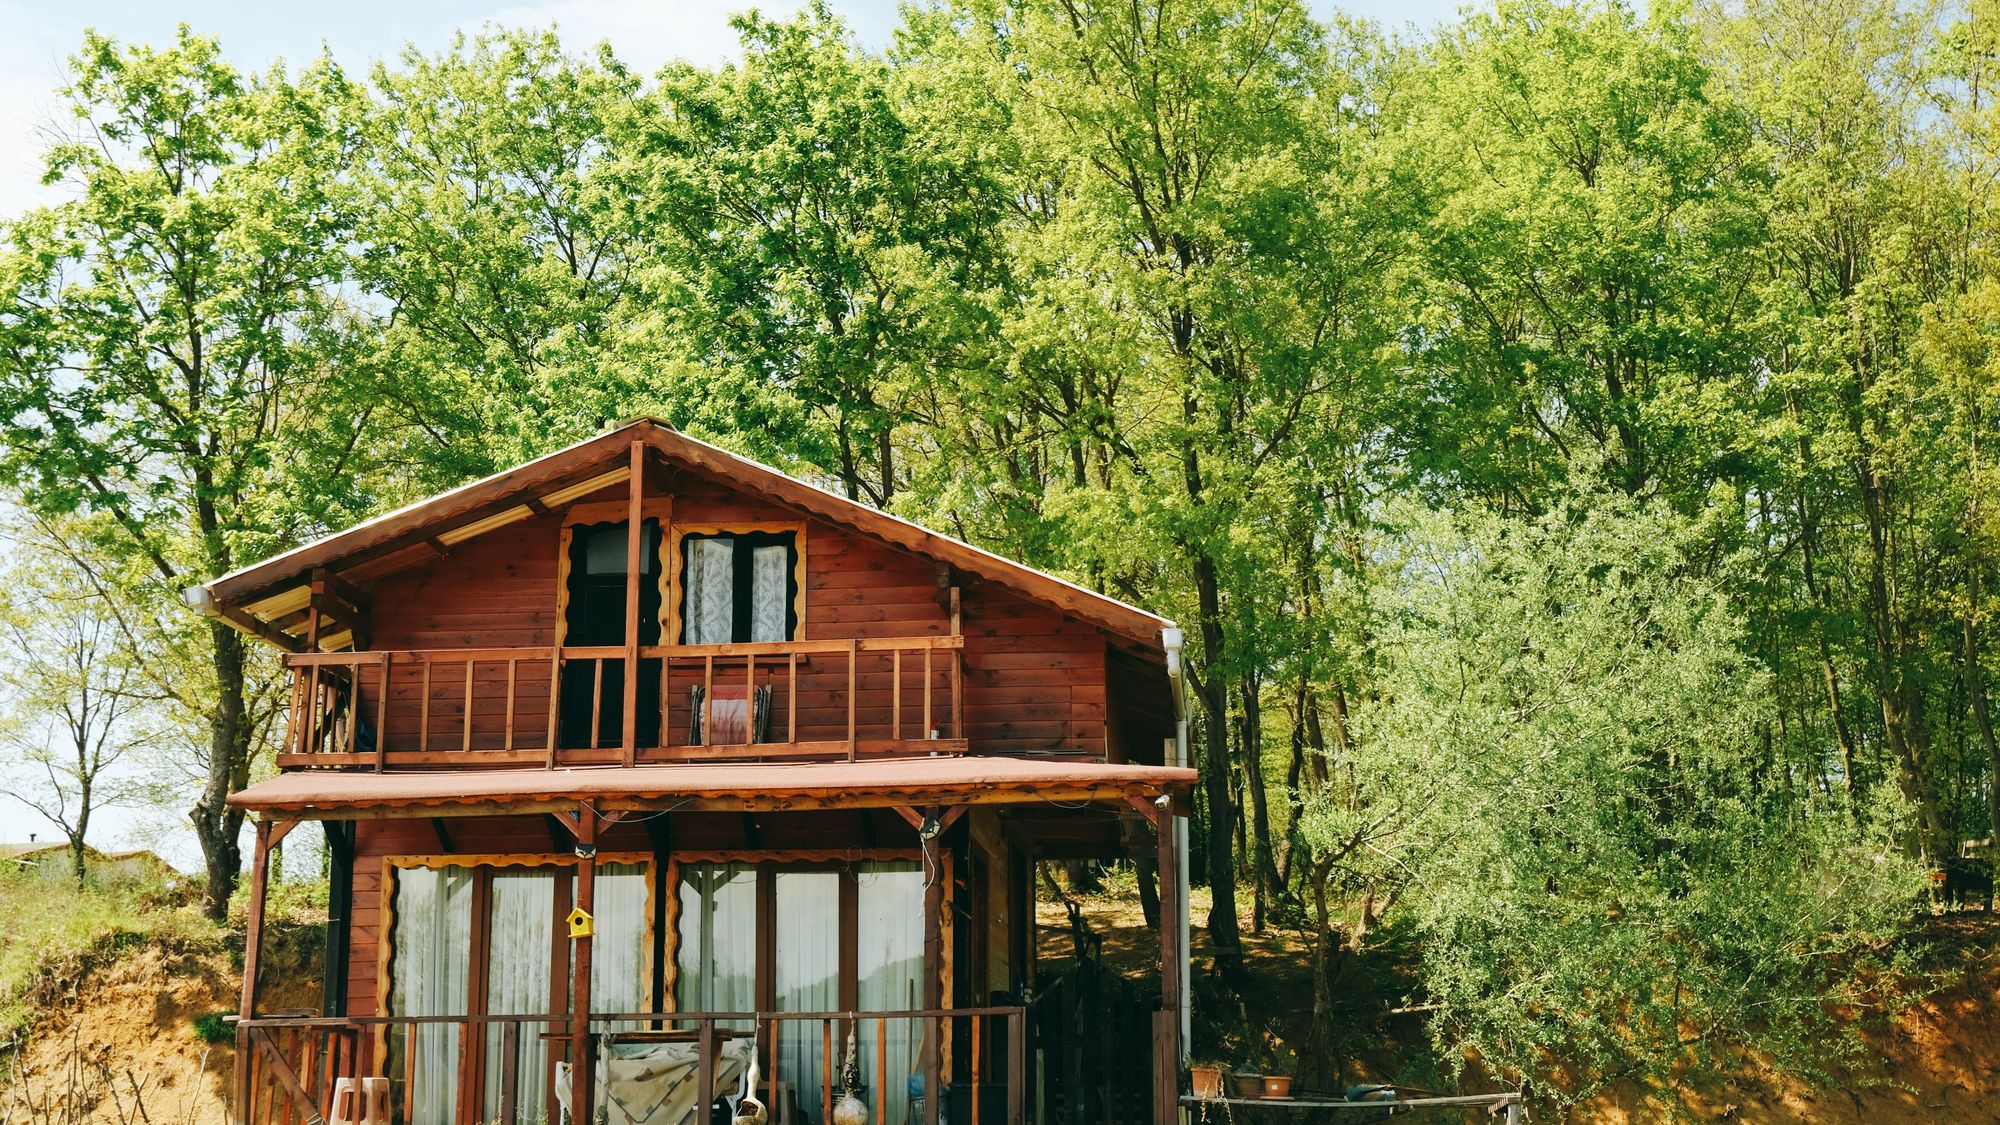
{"x":39,"y":36}
{"x":646,"y":33}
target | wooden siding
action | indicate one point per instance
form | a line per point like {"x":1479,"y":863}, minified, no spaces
{"x":1035,"y":678}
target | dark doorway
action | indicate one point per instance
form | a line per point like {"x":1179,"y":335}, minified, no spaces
{"x":594,"y":615}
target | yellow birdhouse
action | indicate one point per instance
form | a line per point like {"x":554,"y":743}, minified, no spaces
{"x":581,"y":924}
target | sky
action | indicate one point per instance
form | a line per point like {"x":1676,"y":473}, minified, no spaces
{"x":39,"y":36}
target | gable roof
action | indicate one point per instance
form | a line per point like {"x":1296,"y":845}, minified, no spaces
{"x":259,"y":597}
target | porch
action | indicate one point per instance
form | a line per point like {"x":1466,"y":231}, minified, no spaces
{"x":730,"y":911}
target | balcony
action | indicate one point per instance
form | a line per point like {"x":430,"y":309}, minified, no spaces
{"x":570,"y":705}
{"x":504,"y":1069}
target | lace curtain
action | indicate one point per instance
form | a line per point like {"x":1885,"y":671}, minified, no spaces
{"x":429,"y":972}
{"x":711,"y":595}
{"x":517,"y":981}
{"x":769,"y":578}
{"x":889,"y":934}
{"x":718,"y":938}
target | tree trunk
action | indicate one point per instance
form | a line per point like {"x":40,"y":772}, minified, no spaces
{"x":1975,"y":687}
{"x":1213,"y":691}
{"x":216,"y":825}
{"x":1263,"y":865}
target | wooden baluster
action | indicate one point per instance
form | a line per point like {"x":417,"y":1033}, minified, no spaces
{"x":466,"y":739}
{"x":976,"y":1021}
{"x":927,"y":691}
{"x":382,"y":717}
{"x":666,"y":701}
{"x":704,"y":1068}
{"x":958,"y":693}
{"x":513,"y":667}
{"x":853,"y":662}
{"x":353,"y":704}
{"x":510,"y":1072}
{"x":424,"y":712}
{"x":1017,"y":1066}
{"x":597,"y":704}
{"x":792,"y":701}
{"x":896,"y":694}
{"x":771,"y":1074}
{"x":826,"y":1070}
{"x":294,"y":734}
{"x":409,"y":1072}
{"x":555,"y":700}
{"x":749,"y":698}
{"x":708,"y":700}
{"x":882,"y":1071}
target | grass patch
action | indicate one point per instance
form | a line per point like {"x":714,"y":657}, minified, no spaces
{"x":57,"y":932}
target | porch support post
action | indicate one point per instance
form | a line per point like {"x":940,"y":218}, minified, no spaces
{"x":253,"y":940}
{"x":1167,"y":1021}
{"x":930,"y":833}
{"x":582,"y":1067}
{"x":635,"y":494}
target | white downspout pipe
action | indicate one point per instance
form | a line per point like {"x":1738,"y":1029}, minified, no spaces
{"x":1171,"y":641}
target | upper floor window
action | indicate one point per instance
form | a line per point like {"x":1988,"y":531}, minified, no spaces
{"x":739,"y":586}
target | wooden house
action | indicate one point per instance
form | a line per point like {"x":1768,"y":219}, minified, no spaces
{"x":755,"y":790}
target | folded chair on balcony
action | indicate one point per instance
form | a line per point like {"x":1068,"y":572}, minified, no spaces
{"x":729,"y":716}
{"x":654,"y":1083}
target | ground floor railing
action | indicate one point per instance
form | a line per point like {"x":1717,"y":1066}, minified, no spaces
{"x":650,"y":1067}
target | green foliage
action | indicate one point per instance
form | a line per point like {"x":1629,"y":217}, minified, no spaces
{"x":1564,"y":774}
{"x":213,"y":1027}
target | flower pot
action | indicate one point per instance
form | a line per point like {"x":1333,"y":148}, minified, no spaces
{"x":1248,"y":1085}
{"x":1277,"y":1085}
{"x":1206,"y":1082}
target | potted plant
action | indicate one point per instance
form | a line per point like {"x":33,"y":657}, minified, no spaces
{"x":1280,"y":1062}
{"x":1205,"y":1081}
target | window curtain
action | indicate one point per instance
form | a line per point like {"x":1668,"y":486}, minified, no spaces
{"x":430,"y":967}
{"x":806,"y":974}
{"x":711,"y":596}
{"x":889,"y":962}
{"x":520,"y":926}
{"x":717,"y":970}
{"x":770,"y":581}
{"x":618,"y":980}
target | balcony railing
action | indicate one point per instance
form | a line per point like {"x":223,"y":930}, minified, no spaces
{"x":567,"y":705}
{"x":505,"y":1070}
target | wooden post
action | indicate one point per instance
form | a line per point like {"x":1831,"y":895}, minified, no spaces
{"x":582,"y":1074}
{"x":933,"y":964}
{"x":635,"y":518}
{"x":253,"y":938}
{"x":1167,"y":1023}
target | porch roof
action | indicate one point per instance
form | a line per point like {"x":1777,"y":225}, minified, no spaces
{"x":874,"y":783}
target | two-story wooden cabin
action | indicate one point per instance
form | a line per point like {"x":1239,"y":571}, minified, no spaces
{"x":649,"y":757}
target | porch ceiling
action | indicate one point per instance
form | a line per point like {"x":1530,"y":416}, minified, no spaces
{"x":328,"y":795}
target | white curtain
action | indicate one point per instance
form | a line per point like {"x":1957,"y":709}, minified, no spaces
{"x":889,"y":960}
{"x":618,"y":980}
{"x":717,"y":969}
{"x":770,"y":579}
{"x":520,"y":924}
{"x":806,"y":973}
{"x":429,"y":975}
{"x":711,"y":597}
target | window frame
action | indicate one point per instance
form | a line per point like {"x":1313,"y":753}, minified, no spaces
{"x":768,"y":864}
{"x":676,"y":592}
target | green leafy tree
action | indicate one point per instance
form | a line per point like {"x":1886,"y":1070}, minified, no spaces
{"x":1563,"y":775}
{"x":169,"y":346}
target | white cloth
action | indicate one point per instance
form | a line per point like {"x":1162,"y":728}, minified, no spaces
{"x":711,"y":595}
{"x":654,"y":1084}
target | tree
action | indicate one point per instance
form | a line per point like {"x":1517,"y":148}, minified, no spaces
{"x":70,"y":698}
{"x":170,"y":337}
{"x":1563,"y":769}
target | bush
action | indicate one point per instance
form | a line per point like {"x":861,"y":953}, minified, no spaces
{"x":214,"y":1027}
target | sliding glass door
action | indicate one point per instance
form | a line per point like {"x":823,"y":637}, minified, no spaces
{"x":489,"y":939}
{"x":772,"y":936}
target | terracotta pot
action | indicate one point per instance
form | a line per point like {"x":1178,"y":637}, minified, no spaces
{"x":1277,"y":1085}
{"x":1206,"y":1082}
{"x":1248,"y":1085}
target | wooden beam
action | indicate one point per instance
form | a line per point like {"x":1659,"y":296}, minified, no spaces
{"x":933,"y":990}
{"x":245,"y":623}
{"x":635,"y":518}
{"x":582,"y":1066}
{"x":443,"y":835}
{"x":253,"y":941}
